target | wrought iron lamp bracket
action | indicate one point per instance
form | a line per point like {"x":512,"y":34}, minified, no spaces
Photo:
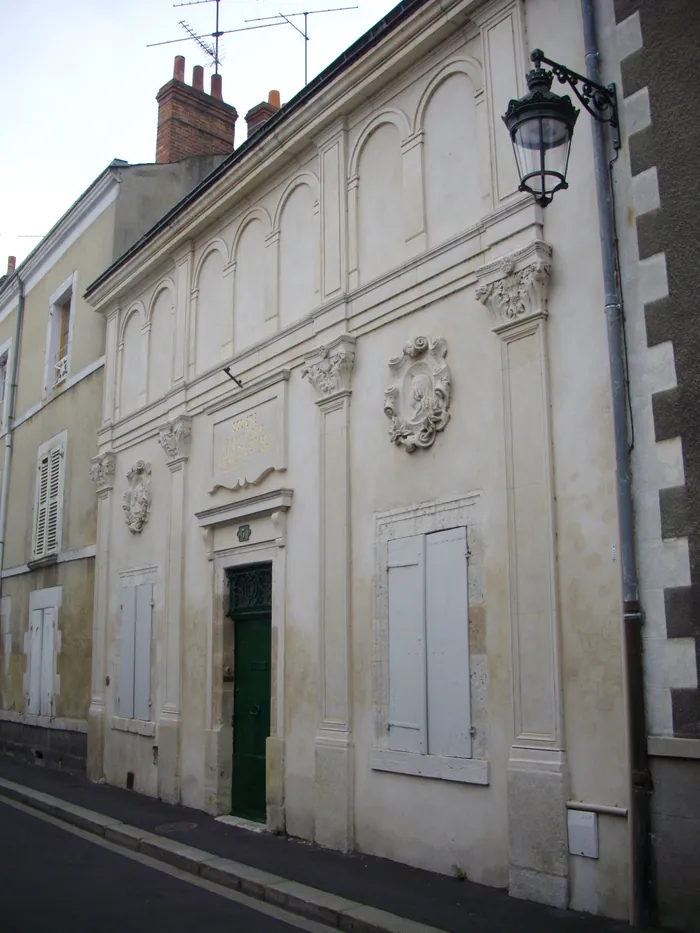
{"x":599,"y":101}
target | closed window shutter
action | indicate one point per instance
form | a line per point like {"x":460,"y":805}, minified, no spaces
{"x":142,"y":652}
{"x":125,"y":700}
{"x":447,"y":638}
{"x":407,"y":674}
{"x":36,"y":625}
{"x":47,"y":661}
{"x":41,"y":508}
{"x":53,"y":511}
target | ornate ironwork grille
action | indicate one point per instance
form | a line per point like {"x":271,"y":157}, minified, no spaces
{"x":250,"y":590}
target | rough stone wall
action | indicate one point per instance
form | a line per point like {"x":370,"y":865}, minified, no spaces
{"x":660,"y":61}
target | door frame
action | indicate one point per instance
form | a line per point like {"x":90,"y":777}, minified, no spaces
{"x":219,"y":751}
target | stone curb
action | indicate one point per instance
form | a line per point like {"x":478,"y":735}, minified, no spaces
{"x":335,"y":911}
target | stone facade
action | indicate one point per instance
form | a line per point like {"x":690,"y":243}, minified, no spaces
{"x":651,"y":52}
{"x":391,"y":267}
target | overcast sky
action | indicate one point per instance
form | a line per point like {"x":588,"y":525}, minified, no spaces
{"x":78,"y":86}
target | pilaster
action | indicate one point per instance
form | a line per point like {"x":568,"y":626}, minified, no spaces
{"x":174,"y":438}
{"x":329,"y":370}
{"x":333,"y":156}
{"x":102,"y":469}
{"x":514,"y":289}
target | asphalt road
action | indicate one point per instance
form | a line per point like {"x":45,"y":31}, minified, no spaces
{"x":54,"y":880}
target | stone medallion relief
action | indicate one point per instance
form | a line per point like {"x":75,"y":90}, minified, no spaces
{"x":137,"y":498}
{"x":418,"y":399}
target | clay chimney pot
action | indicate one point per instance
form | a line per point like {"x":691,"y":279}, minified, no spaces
{"x":216,"y":87}
{"x":198,"y":78}
{"x":274,"y":99}
{"x":11,"y":263}
{"x":179,"y":68}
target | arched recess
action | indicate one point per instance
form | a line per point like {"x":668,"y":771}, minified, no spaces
{"x":448,"y":119}
{"x":129,"y":348}
{"x":257,"y":213}
{"x":299,"y":246}
{"x":160,"y":342}
{"x":380,"y":217}
{"x":249,"y":285}
{"x":303,"y":178}
{"x":211,"y":310}
{"x":397,"y":117}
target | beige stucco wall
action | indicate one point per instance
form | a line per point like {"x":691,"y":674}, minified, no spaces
{"x":74,"y":623}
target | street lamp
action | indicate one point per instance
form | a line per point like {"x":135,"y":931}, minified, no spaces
{"x":541,"y":125}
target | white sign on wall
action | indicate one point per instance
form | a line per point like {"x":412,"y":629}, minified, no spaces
{"x":249,"y":437}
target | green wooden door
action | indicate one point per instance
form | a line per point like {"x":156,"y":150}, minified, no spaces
{"x":251,"y":611}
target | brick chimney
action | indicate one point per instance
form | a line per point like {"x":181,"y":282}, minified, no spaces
{"x":190,"y":121}
{"x":262,"y":112}
{"x":11,"y":264}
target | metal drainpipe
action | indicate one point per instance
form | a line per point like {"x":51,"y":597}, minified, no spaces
{"x":10,"y":424}
{"x":640,"y":809}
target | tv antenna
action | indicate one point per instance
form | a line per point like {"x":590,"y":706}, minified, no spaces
{"x":280,"y":19}
{"x":212,"y":51}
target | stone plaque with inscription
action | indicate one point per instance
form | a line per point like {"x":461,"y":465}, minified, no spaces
{"x":250,"y":443}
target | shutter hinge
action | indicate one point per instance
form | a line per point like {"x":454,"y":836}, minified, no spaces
{"x":472,"y":732}
{"x":468,"y":553}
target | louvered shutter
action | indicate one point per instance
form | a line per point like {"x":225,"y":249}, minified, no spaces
{"x":42,"y":508}
{"x":447,"y":639}
{"x":53,"y":511}
{"x":47,"y":660}
{"x":407,"y":674}
{"x":142,"y":652}
{"x":36,"y":624}
{"x":125,"y":700}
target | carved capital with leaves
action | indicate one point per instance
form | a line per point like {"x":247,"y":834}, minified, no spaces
{"x":174,"y":438}
{"x":102,"y":471}
{"x":515,"y":287}
{"x":329,"y":368}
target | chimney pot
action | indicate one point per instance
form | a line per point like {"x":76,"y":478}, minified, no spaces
{"x":274,"y":99}
{"x":11,"y":263}
{"x":190,"y":122}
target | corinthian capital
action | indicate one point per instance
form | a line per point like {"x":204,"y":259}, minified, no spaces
{"x":515,"y":287}
{"x":329,"y":368}
{"x":174,"y":438}
{"x":102,"y":471}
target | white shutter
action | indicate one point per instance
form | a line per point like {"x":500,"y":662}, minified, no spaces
{"x":48,"y":642}
{"x":142,"y":652}
{"x":55,"y":491}
{"x":447,"y":633}
{"x":125,"y":700}
{"x":42,"y":498}
{"x":36,"y":624}
{"x":407,"y":675}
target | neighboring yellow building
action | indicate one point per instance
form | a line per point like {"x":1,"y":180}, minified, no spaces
{"x":50,"y":410}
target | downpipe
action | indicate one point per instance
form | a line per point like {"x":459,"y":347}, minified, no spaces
{"x":632,"y":619}
{"x":10,"y":424}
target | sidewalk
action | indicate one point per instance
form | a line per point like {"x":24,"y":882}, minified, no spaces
{"x":360,"y":886}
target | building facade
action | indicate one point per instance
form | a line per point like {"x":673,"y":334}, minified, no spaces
{"x":357,"y":569}
{"x":52,"y":350}
{"x":651,"y":52}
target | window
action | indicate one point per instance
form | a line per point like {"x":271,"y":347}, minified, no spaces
{"x":4,"y":380}
{"x":61,"y":312}
{"x":42,"y":644}
{"x":134,"y":698}
{"x":48,"y":503}
{"x":429,"y":687}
